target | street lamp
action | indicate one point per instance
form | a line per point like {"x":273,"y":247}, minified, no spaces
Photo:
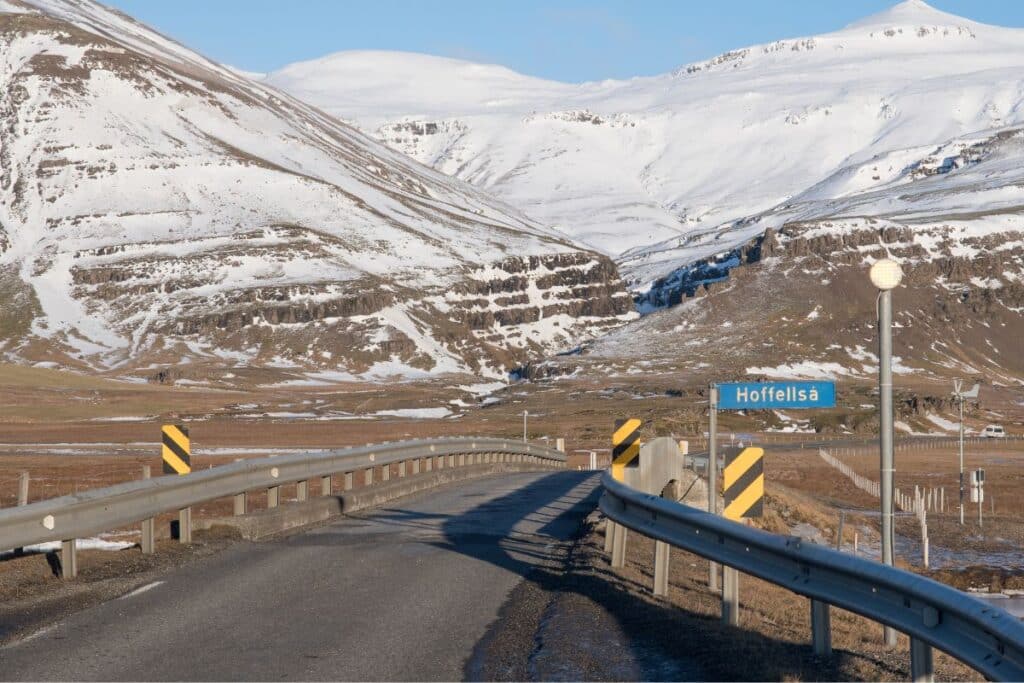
{"x":886,"y":276}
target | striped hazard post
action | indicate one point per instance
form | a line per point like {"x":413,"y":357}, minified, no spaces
{"x":743,"y":491}
{"x":625,"y":447}
{"x":177,"y":457}
{"x":177,"y":450}
{"x":625,"y":453}
{"x":743,"y":484}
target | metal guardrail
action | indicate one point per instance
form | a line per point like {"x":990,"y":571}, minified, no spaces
{"x":97,"y":510}
{"x":983,"y":637}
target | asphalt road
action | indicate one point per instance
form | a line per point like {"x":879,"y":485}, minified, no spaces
{"x":403,"y":592}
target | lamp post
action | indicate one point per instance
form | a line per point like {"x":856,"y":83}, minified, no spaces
{"x":886,"y":276}
{"x":957,"y":386}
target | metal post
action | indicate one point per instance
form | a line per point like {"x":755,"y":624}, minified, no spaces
{"x":368,"y":476}
{"x":385,"y":472}
{"x":23,"y":489}
{"x":609,"y":535}
{"x":886,"y":433}
{"x":661,"y":566}
{"x":22,"y":500}
{"x":981,"y":493}
{"x":349,"y":480}
{"x":730,"y":596}
{"x":401,"y":469}
{"x":961,"y":460}
{"x":185,"y":525}
{"x":713,"y":472}
{"x":821,"y":627}
{"x":68,"y":559}
{"x":239,"y":504}
{"x":922,"y":668}
{"x":148,"y":544}
{"x":619,"y":546}
{"x":325,"y":485}
{"x":302,"y":491}
{"x":273,"y":496}
{"x":525,"y":413}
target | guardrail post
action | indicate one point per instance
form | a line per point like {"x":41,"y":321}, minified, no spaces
{"x":451,"y":461}
{"x":239,"y":504}
{"x":730,"y":596}
{"x":22,"y":500}
{"x":462,"y":459}
{"x":821,"y":627}
{"x":349,"y":480}
{"x":23,"y":489}
{"x":922,"y":668}
{"x":325,"y":485}
{"x":619,"y":536}
{"x":401,"y":469}
{"x":273,"y":496}
{"x":185,"y":525}
{"x":148,"y":544}
{"x":661,"y":564}
{"x":368,"y":476}
{"x":302,"y":491}
{"x":609,"y":535}
{"x":68,"y":559}
{"x":428,"y":463}
{"x":385,"y":472}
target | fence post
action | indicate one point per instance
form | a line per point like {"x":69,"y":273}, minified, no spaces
{"x":821,"y":627}
{"x":922,"y":668}
{"x":68,"y":559}
{"x":148,"y":544}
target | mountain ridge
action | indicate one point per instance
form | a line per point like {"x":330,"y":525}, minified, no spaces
{"x":160,"y":210}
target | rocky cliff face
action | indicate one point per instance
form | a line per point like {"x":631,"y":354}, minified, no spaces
{"x":157,"y":209}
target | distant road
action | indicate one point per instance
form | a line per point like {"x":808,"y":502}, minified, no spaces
{"x":404,"y":592}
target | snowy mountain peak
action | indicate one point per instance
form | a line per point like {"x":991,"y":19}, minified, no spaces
{"x":911,"y":13}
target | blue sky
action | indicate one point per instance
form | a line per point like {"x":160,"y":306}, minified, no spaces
{"x":566,"y":40}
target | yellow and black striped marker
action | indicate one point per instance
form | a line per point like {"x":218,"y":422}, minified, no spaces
{"x":625,"y":447}
{"x":177,"y":451}
{"x":743,"y":484}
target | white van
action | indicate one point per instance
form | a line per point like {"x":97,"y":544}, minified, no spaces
{"x":993,"y":432}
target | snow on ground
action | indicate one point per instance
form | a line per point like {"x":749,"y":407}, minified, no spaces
{"x":419,"y":413}
{"x":83,"y":544}
{"x":943,"y":423}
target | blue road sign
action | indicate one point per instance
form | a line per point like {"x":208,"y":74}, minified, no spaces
{"x":762,"y":395}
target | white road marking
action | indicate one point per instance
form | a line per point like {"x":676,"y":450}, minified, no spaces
{"x":141,"y":589}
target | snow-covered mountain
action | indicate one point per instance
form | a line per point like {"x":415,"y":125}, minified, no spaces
{"x":755,"y":188}
{"x":157,"y":208}
{"x":911,"y":115}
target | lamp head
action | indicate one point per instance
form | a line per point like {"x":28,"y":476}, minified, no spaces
{"x":886,"y":274}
